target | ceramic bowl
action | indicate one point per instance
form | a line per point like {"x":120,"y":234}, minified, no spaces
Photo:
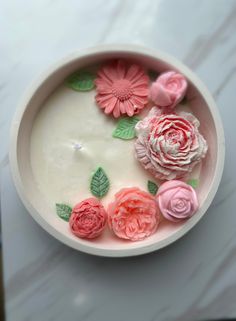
{"x":202,"y":105}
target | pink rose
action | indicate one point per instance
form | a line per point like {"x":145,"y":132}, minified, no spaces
{"x":88,"y":218}
{"x":168,"y":90}
{"x":169,"y":145}
{"x":177,"y":200}
{"x":134,"y":214}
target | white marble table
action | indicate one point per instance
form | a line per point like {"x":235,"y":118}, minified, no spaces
{"x":191,"y":280}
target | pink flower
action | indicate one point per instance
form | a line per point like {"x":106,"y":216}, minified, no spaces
{"x":133,"y":215}
{"x":121,"y":89}
{"x":88,"y":218}
{"x":169,"y":145}
{"x":177,"y":200}
{"x":168,"y":90}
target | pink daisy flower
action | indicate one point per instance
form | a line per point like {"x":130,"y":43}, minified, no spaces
{"x":121,"y":88}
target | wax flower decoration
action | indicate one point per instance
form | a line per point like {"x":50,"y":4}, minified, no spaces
{"x":122,"y":89}
{"x":169,"y":145}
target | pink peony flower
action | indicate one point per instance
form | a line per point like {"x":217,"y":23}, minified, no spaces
{"x":177,"y":200}
{"x":169,"y":145}
{"x":88,"y":218}
{"x":121,"y":89}
{"x":133,"y":215}
{"x":168,"y":90}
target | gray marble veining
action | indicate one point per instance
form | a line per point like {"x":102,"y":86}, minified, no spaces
{"x":190,"y":280}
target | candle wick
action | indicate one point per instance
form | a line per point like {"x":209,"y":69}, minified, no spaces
{"x":77,"y":146}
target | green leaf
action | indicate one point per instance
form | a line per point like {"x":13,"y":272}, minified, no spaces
{"x":81,"y":81}
{"x":99,"y":185}
{"x":152,"y":187}
{"x":63,"y":211}
{"x":193,"y":182}
{"x":125,"y":128}
{"x":153,"y":74}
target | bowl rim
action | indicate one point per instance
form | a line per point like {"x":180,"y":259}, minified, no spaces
{"x":105,"y":49}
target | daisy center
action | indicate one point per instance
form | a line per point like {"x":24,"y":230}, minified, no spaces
{"x":122,"y":89}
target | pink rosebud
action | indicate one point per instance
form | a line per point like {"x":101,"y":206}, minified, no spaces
{"x":168,"y":90}
{"x":177,"y":200}
{"x":88,"y":218}
{"x":134,"y":214}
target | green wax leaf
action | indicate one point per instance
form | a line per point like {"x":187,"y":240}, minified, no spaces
{"x":152,"y":187}
{"x":81,"y":81}
{"x":99,"y":185}
{"x":63,"y":211}
{"x":125,"y":128}
{"x":193,"y":182}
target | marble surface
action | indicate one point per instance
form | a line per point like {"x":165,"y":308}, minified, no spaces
{"x":193,"y":279}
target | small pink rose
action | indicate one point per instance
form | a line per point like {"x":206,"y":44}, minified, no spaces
{"x":88,"y":218}
{"x":134,"y":214}
{"x":177,"y":200}
{"x":168,"y":90}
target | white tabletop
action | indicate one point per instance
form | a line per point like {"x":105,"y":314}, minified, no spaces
{"x":190,"y":280}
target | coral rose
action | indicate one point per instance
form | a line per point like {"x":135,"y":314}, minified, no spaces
{"x":168,"y":90}
{"x":134,"y":214}
{"x":169,"y":145}
{"x":177,"y":200}
{"x":88,"y":218}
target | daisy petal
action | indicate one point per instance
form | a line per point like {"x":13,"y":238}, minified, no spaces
{"x":132,"y":72}
{"x":103,"y":89}
{"x":120,"y":69}
{"x":110,"y":72}
{"x":139,"y":101}
{"x":110,"y":105}
{"x":129,"y":108}
{"x":116,"y":111}
{"x":121,"y":107}
{"x":141,"y":92}
{"x":142,"y":82}
{"x":139,"y":76}
{"x":103,"y":77}
{"x":103,"y":99}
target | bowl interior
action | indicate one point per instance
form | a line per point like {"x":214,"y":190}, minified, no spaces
{"x":42,"y":210}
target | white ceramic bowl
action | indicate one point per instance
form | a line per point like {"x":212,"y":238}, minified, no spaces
{"x":203,"y":107}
